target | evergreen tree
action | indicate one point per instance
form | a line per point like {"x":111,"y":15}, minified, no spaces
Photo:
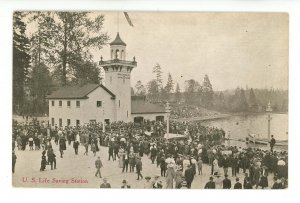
{"x":170,"y":84}
{"x":140,"y":89}
{"x":191,"y":89}
{"x":153,"y":90}
{"x":40,"y":87}
{"x":21,"y":61}
{"x":158,"y":74}
{"x":177,"y":93}
{"x":243,"y":101}
{"x":252,"y":101}
{"x":207,"y":92}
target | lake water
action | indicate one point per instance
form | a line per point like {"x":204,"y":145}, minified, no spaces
{"x":240,"y":126}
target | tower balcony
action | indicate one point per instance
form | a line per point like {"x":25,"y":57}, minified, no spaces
{"x":118,"y":62}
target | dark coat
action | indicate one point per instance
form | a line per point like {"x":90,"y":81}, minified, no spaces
{"x":189,"y":175}
{"x":105,"y":185}
{"x":210,"y":185}
{"x":226,"y":183}
{"x":238,"y":185}
{"x":263,"y":181}
{"x":139,"y":165}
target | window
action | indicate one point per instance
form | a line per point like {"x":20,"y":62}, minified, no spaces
{"x":117,"y":54}
{"x":119,"y":103}
{"x":60,"y":122}
{"x":52,"y":103}
{"x":68,"y":103}
{"x":78,"y":104}
{"x":52,"y":121}
{"x":60,"y":103}
{"x":68,"y":122}
{"x":99,"y":103}
{"x":77,"y":122}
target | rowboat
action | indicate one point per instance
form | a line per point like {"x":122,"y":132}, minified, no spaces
{"x":253,"y":138}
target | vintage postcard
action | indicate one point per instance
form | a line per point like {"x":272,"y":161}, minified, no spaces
{"x":154,"y":100}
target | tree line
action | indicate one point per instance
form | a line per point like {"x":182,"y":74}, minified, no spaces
{"x":202,"y":94}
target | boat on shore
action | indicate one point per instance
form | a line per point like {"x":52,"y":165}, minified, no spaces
{"x":253,"y":138}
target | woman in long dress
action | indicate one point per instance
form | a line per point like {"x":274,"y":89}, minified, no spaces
{"x":121,"y":159}
{"x":170,"y":175}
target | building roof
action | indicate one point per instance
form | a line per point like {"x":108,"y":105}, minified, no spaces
{"x":118,"y":41}
{"x":142,"y":107}
{"x":77,"y":92}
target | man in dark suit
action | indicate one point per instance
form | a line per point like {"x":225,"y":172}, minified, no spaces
{"x":272,"y":143}
{"x":105,"y":184}
{"x":111,"y":152}
{"x":139,"y":168}
{"x":98,"y":165}
{"x":210,"y":184}
{"x":189,"y":176}
{"x":237,"y":185}
{"x":226,"y":183}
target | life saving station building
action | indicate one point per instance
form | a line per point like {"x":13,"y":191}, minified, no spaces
{"x":108,"y":102}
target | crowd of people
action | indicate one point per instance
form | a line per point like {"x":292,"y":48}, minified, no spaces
{"x":180,"y":111}
{"x":179,"y":160}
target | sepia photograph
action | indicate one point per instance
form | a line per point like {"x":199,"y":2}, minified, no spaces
{"x":150,"y":100}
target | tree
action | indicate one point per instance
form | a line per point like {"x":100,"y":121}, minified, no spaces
{"x":140,"y":89}
{"x":177,"y":93}
{"x":21,"y":60}
{"x":40,"y":86}
{"x":153,"y":90}
{"x":191,"y":89}
{"x":207,"y":92}
{"x":243,"y":101}
{"x":252,"y":101}
{"x":158,"y":72}
{"x":170,"y":84}
{"x":73,"y":34}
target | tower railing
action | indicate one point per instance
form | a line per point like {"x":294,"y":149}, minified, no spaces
{"x":117,"y":61}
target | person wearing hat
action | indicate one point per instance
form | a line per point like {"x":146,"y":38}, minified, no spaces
{"x":105,"y":184}
{"x":139,"y":168}
{"x":148,"y":184}
{"x":226,"y":183}
{"x":272,"y":143}
{"x":98,"y":165}
{"x":237,"y":185}
{"x":199,"y":165}
{"x":189,"y":176}
{"x":210,"y":184}
{"x":124,"y":186}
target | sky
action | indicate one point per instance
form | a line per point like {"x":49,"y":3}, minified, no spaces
{"x":233,"y":49}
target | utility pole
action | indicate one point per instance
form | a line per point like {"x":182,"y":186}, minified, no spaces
{"x":168,"y":111}
{"x":103,"y":121}
{"x":269,"y":110}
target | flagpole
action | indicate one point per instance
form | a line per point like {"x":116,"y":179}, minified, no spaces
{"x":118,"y":21}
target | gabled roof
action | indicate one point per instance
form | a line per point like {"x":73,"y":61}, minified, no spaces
{"x":141,"y":106}
{"x":77,"y":92}
{"x":118,"y":41}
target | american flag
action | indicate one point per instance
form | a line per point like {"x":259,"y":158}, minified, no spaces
{"x":128,"y":19}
